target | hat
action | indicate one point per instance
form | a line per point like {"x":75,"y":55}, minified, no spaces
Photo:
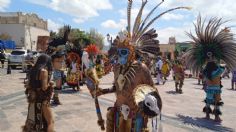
{"x":58,"y":54}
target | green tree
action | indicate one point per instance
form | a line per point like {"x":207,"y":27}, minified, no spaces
{"x":96,"y":38}
{"x":79,"y":37}
{"x":5,"y":36}
{"x":82,"y":38}
{"x":53,"y":34}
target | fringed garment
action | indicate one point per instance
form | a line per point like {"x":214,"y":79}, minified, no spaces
{"x":213,"y":92}
{"x":37,"y":98}
{"x":73,"y":76}
{"x":116,"y":123}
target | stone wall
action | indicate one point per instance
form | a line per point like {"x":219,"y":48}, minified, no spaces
{"x":23,"y":18}
{"x":24,"y":28}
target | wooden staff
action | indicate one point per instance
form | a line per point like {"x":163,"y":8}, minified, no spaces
{"x":99,"y":114}
{"x":91,"y":85}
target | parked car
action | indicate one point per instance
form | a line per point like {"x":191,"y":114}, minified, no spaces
{"x":7,"y":55}
{"x":16,"y":57}
{"x":29,"y":60}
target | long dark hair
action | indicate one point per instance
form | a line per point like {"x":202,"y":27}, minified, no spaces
{"x":43,"y":61}
{"x":210,"y":67}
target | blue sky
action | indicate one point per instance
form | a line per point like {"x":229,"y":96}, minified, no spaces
{"x":109,"y":16}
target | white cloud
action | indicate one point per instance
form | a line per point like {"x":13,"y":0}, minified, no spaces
{"x":178,"y":33}
{"x":224,"y":8}
{"x":172,"y":16}
{"x":209,"y":8}
{"x":61,"y":20}
{"x":81,"y":10}
{"x":4,"y":4}
{"x":53,"y":26}
{"x":114,"y":25}
{"x":147,"y":9}
{"x":134,"y":12}
{"x":79,"y":20}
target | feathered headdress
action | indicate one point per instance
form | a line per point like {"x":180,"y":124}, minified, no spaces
{"x":141,"y":37}
{"x":71,"y":56}
{"x":59,"y":43}
{"x":210,"y":44}
{"x":92,"y":49}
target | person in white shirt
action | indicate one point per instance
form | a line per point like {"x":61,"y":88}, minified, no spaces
{"x":158,"y":70}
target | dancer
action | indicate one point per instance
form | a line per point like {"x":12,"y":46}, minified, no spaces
{"x":99,"y":66}
{"x":58,"y":75}
{"x":179,"y":76}
{"x":74,"y":72}
{"x":38,"y":92}
{"x":209,"y":47}
{"x":136,"y":97}
{"x":165,"y":70}
{"x":56,"y":47}
{"x":200,"y":77}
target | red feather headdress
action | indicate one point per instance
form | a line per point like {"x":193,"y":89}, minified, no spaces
{"x":92,"y":49}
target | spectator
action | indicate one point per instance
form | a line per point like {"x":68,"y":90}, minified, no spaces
{"x":2,"y":57}
{"x":158,"y":70}
{"x":233,"y":79}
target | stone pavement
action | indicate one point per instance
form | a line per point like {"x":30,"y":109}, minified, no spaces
{"x":3,"y":71}
{"x":181,"y":112}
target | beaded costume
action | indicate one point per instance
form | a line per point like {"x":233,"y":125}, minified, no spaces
{"x":136,"y":97}
{"x":210,"y":47}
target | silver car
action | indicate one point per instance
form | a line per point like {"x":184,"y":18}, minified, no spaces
{"x":16,"y":58}
{"x":29,"y":60}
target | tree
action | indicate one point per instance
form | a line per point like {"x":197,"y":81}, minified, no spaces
{"x":176,"y":54}
{"x":53,"y":34}
{"x":96,"y":38}
{"x":5,"y":36}
{"x":81,"y":38}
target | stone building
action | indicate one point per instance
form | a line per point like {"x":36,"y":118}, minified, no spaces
{"x":167,"y":50}
{"x":24,"y":28}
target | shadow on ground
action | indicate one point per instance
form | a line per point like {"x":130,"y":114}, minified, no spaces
{"x":199,"y":88}
{"x":204,"y":123}
{"x":230,"y":89}
{"x":68,"y":91}
{"x":171,"y":92}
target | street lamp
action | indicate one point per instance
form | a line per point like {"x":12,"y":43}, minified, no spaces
{"x":109,"y":39}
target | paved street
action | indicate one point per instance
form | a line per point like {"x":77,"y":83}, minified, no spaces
{"x":181,"y":113}
{"x":3,"y":71}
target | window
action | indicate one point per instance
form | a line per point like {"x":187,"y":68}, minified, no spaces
{"x":18,"y":52}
